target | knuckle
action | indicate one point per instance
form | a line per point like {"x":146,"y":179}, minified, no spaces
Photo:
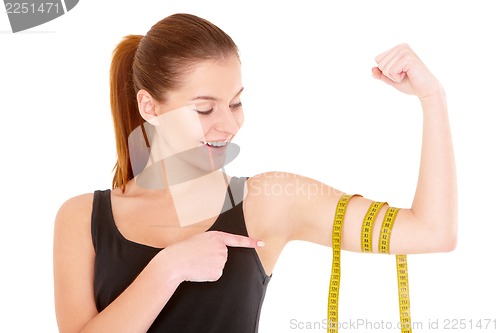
{"x":237,"y":241}
{"x":404,"y":46}
{"x":215,"y":274}
{"x":218,"y":274}
{"x":406,"y":52}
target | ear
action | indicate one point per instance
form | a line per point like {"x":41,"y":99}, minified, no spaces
{"x":147,"y":107}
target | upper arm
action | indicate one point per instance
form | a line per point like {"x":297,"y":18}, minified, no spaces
{"x":74,"y":264}
{"x":312,"y":206}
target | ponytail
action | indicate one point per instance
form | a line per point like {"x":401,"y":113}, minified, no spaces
{"x":124,"y":109}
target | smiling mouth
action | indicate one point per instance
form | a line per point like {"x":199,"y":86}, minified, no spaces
{"x":215,"y":144}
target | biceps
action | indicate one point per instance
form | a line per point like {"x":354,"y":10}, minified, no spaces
{"x":407,"y":235}
{"x":377,"y":227}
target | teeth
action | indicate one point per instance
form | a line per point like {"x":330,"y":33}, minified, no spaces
{"x":215,"y":143}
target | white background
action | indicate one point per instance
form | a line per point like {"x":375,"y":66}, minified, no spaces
{"x":311,"y":107}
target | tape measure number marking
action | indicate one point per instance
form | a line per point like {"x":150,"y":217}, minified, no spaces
{"x":367,"y":228}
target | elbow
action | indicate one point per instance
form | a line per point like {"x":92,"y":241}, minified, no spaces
{"x":449,"y":242}
{"x":446,"y":238}
{"x":439,"y":229}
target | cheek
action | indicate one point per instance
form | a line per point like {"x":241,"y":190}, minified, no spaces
{"x":206,"y":124}
{"x":240,"y":118}
{"x":181,"y":129}
{"x":193,"y":130}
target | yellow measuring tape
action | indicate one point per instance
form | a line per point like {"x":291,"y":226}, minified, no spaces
{"x":366,"y":246}
{"x":333,"y":297}
{"x":369,"y":220}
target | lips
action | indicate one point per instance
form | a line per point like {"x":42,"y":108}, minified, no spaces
{"x":215,"y":144}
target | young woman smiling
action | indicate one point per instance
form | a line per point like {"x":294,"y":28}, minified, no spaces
{"x":179,"y":246}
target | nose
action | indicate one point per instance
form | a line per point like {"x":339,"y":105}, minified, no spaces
{"x":228,"y":121}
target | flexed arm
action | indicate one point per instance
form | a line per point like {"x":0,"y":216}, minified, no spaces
{"x":435,"y":201}
{"x":430,"y":224}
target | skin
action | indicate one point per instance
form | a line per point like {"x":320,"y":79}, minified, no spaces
{"x":275,"y":217}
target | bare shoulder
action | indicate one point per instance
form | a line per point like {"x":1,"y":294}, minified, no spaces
{"x":283,"y":197}
{"x":270,"y":187}
{"x":267,"y":180}
{"x":75,"y":213}
{"x":73,"y":245}
{"x":266,"y":204}
{"x":289,"y":202}
{"x":77,"y":207}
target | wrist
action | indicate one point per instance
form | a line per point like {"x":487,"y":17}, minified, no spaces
{"x":434,"y":101}
{"x":170,"y":267}
{"x":434,"y":95}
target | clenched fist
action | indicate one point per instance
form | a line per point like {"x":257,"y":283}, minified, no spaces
{"x":401,"y":68}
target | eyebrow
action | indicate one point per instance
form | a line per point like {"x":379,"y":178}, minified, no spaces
{"x":211,"y":98}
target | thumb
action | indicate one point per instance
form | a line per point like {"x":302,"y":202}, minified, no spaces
{"x":240,"y":241}
{"x":377,"y":73}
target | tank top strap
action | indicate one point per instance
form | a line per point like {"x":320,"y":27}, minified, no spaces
{"x":235,"y":192}
{"x":231,"y":219}
{"x":101,"y":228}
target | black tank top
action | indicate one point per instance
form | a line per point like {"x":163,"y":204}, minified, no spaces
{"x":232,"y":304}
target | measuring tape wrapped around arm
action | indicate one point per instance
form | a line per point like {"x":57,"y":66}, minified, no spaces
{"x":366,"y":246}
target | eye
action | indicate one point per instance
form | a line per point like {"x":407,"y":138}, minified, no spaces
{"x":205,"y":112}
{"x":204,"y":107}
{"x":236,"y":106}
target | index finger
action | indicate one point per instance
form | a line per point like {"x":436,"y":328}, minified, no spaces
{"x":240,"y":241}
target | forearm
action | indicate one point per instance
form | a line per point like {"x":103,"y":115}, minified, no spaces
{"x":435,"y":201}
{"x":138,"y":306}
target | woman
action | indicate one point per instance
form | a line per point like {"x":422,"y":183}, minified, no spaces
{"x":179,"y":246}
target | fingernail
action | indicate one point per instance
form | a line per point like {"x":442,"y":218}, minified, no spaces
{"x":260,"y":243}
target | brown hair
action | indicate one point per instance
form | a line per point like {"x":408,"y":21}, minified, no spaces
{"x":157,"y":62}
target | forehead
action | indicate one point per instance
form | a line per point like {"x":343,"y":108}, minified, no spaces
{"x":218,"y":78}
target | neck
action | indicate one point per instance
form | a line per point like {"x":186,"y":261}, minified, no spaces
{"x":194,"y":201}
